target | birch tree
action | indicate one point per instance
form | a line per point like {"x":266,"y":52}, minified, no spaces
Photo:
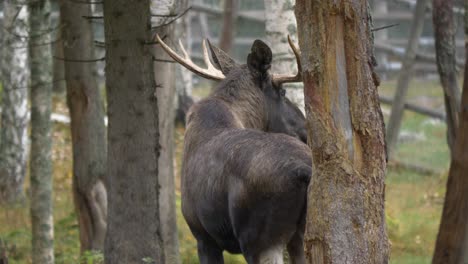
{"x":134,"y":229}
{"x":345,"y":208}
{"x":41,"y":133}
{"x":87,"y":124}
{"x":15,"y":112}
{"x":281,"y":22}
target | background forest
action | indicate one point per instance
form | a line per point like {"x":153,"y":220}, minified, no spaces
{"x":67,"y":192}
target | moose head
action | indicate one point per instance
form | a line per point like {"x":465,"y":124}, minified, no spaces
{"x":256,"y":96}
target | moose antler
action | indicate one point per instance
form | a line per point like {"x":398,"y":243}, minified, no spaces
{"x":285,"y":78}
{"x":210,"y":73}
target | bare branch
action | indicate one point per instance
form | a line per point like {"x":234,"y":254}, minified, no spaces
{"x":172,"y":20}
{"x":92,"y":17}
{"x":86,"y":2}
{"x":385,"y":27}
{"x":78,"y":60}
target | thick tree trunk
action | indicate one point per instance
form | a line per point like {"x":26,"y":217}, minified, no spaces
{"x":164,"y":73}
{"x":281,"y":22}
{"x":60,"y":85}
{"x":134,"y":231}
{"x":396,"y":115}
{"x":345,"y":214}
{"x":15,"y":112}
{"x":452,"y":241}
{"x":41,"y":134}
{"x":229,"y":25}
{"x":444,"y":31}
{"x":87,"y":125}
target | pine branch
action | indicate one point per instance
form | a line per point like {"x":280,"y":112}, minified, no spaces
{"x":172,"y":20}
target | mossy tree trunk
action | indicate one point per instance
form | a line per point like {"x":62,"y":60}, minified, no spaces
{"x":87,"y":125}
{"x":41,"y":133}
{"x":452,"y":240}
{"x":15,"y":111}
{"x":444,"y":31}
{"x":345,"y":214}
{"x":133,"y":232}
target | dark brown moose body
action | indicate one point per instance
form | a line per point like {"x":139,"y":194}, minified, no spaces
{"x":243,"y":189}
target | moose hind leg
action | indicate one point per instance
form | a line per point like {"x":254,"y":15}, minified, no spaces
{"x":208,"y":253}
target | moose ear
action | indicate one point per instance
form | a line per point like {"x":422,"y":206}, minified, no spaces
{"x":259,"y":59}
{"x":221,"y":59}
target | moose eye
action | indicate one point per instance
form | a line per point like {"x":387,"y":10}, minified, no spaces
{"x":282,"y":92}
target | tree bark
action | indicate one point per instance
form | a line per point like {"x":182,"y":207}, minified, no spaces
{"x":87,"y":125}
{"x":183,"y":81}
{"x":165,"y":75}
{"x":41,"y":134}
{"x":281,"y":22}
{"x":15,"y":111}
{"x":345,"y":214}
{"x":452,"y":240}
{"x":229,"y":25}
{"x":396,"y":115}
{"x":134,"y":231}
{"x":444,"y":31}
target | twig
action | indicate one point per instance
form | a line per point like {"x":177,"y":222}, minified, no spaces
{"x":385,"y":27}
{"x":75,"y":60}
{"x":92,"y":17}
{"x":172,"y":20}
{"x":163,"y":60}
{"x":86,"y":2}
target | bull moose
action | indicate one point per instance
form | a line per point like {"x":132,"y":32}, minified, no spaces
{"x":245,"y":168}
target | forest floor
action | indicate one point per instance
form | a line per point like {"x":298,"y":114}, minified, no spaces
{"x":413,"y":200}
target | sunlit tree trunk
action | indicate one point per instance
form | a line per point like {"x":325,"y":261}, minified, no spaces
{"x":345,"y":214}
{"x":87,"y":125}
{"x":452,"y":240}
{"x":15,"y":111}
{"x":41,"y":133}
{"x":281,"y":22}
{"x":165,"y":75}
{"x":134,"y":230}
{"x":444,"y":31}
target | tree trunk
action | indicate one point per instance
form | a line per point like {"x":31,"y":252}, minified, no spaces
{"x":345,"y":214}
{"x":281,"y":22}
{"x":41,"y":134}
{"x":452,"y":241}
{"x":444,"y":31}
{"x":164,"y":73}
{"x":134,"y":231}
{"x":87,"y":125}
{"x":396,"y":115}
{"x":229,"y":25}
{"x":183,"y":81}
{"x":15,"y":112}
{"x":60,"y":85}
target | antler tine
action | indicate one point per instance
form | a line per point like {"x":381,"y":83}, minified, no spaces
{"x":183,"y":49}
{"x":206,"y":58}
{"x":210,"y":73}
{"x":285,"y":78}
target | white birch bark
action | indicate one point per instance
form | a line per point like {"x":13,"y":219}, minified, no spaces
{"x":15,"y":112}
{"x":281,"y":22}
{"x":41,"y":137}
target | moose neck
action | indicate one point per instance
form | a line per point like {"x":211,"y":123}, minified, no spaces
{"x":246,"y":102}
